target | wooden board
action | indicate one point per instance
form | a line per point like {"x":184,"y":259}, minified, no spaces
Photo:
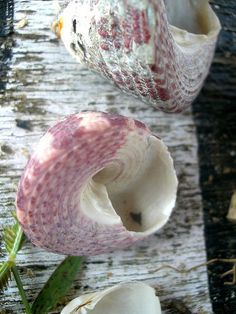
{"x":43,"y":84}
{"x":215,"y":117}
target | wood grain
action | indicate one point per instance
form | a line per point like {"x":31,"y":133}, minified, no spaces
{"x":43,"y":84}
{"x":215,"y":116}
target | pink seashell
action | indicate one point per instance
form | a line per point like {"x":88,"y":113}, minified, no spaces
{"x":96,"y":182}
{"x":158,"y":50}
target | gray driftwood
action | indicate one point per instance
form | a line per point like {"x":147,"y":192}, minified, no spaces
{"x":44,"y":84}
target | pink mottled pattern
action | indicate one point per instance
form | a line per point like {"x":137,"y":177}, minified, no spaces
{"x":48,"y":197}
{"x":174,"y":78}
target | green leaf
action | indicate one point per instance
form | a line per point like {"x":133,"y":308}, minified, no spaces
{"x":5,"y":275}
{"x":57,"y":285}
{"x":13,"y":238}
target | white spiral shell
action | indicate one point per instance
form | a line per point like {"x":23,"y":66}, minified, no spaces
{"x":124,"y":298}
{"x":158,"y":50}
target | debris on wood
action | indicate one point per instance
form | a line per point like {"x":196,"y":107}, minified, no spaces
{"x":24,"y":124}
{"x":22,"y":23}
{"x":25,"y":152}
{"x":30,"y":273}
{"x":5,"y":149}
{"x":178,"y":307}
{"x":109,"y":274}
{"x":232,"y":208}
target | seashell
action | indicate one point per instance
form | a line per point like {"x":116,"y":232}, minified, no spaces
{"x":96,"y":182}
{"x":128,"y":298}
{"x":158,"y":50}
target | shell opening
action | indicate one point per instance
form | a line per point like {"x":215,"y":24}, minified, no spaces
{"x":194,"y":16}
{"x":139,"y":187}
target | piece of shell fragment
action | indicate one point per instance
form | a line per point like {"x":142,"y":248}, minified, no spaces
{"x":125,"y":298}
{"x":232,"y":208}
{"x":22,"y":23}
{"x":96,"y":182}
{"x":157,"y":50}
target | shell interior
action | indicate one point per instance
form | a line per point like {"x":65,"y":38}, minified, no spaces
{"x":188,"y":15}
{"x":139,"y":187}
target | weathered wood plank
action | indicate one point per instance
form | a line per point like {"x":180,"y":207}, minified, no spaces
{"x":215,"y":116}
{"x":43,"y":85}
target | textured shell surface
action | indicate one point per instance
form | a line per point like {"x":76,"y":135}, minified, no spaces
{"x":157,"y":50}
{"x":128,"y":298}
{"x":96,"y":182}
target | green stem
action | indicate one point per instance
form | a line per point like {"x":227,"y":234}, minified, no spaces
{"x":21,"y":289}
{"x":16,"y":246}
{"x":18,"y":241}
